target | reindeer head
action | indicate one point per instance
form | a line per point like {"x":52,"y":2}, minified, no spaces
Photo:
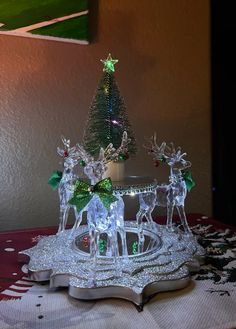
{"x":157,"y":152}
{"x":168,"y":154}
{"x":69,"y":154}
{"x":95,"y":169}
{"x":175,"y":159}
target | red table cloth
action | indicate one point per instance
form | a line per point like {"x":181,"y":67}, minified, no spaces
{"x":215,"y":283}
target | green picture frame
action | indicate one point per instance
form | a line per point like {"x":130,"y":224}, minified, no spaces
{"x":59,"y":20}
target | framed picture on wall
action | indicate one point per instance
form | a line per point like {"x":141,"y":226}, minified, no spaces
{"x":64,"y":20}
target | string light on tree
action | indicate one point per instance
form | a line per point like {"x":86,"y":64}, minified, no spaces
{"x":107,"y":118}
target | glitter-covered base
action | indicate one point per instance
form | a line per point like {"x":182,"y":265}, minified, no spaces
{"x":164,"y":264}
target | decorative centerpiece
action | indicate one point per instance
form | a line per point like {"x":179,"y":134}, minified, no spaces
{"x":111,"y":257}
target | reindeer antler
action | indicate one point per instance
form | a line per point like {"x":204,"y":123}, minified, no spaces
{"x":173,"y":153}
{"x":95,"y":168}
{"x":157,"y":152}
{"x":112,"y":154}
{"x":84,"y":155}
{"x":175,"y":157}
{"x":67,"y":150}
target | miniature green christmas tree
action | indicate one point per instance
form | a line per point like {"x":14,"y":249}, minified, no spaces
{"x":107,"y":116}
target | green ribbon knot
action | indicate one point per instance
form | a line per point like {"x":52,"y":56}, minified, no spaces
{"x":84,"y":192}
{"x":187,"y":177}
{"x":55,"y":179}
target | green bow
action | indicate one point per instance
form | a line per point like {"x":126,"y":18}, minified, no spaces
{"x":187,"y":177}
{"x":55,"y":179}
{"x":84,"y":192}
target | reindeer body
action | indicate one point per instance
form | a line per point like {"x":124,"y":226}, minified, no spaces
{"x":66,"y":185}
{"x":173,"y":195}
{"x":100,"y":220}
{"x":169,"y":195}
{"x":65,"y":191}
{"x":111,"y":222}
{"x":147,"y":203}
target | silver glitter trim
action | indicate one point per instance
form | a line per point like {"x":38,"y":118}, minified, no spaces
{"x":163,"y":266}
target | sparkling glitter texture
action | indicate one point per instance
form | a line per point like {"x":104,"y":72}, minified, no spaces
{"x":166,"y":259}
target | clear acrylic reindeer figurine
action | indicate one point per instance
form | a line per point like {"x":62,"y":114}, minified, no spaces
{"x":172,"y":194}
{"x":177,"y":188}
{"x":147,"y":201}
{"x":70,"y":156}
{"x":102,"y":219}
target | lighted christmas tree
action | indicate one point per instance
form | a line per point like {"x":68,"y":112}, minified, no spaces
{"x":107,"y":116}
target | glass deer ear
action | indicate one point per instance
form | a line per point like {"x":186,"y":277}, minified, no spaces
{"x":60,"y":151}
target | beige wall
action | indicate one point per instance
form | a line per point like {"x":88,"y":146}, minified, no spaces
{"x":46,"y":88}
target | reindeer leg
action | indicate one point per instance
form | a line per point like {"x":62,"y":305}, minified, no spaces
{"x":115,"y":252}
{"x":141,"y":239}
{"x":183,"y":219}
{"x":98,"y":244}
{"x":78,"y":220}
{"x":120,"y":226}
{"x":123,"y":242}
{"x":139,"y":216}
{"x":141,"y":213}
{"x":108,"y":248}
{"x":63,"y":219}
{"x":149,"y":211}
{"x":60,"y":228}
{"x":170,"y":209}
{"x":150,"y":200}
{"x":150,"y":219}
{"x":61,"y":215}
{"x":93,"y":256}
{"x":149,"y":215}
